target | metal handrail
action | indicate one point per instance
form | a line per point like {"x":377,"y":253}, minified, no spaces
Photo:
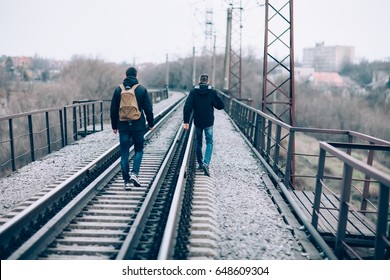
{"x":31,"y":135}
{"x":350,"y":164}
{"x":265,"y":126}
{"x":81,"y":117}
{"x":274,"y":141}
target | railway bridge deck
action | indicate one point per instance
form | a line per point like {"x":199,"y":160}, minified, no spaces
{"x":251,"y":214}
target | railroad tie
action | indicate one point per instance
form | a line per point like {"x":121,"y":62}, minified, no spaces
{"x":203,"y":233}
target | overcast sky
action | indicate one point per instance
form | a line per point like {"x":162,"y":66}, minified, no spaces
{"x":147,"y":30}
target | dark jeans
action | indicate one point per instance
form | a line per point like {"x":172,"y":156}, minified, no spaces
{"x":125,"y":138}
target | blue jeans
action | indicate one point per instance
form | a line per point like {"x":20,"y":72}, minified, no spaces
{"x":208,"y":133}
{"x":125,"y":142}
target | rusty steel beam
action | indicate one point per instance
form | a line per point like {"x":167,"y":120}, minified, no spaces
{"x":278,"y":93}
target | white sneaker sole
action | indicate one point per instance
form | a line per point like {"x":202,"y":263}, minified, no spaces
{"x":135,"y":183}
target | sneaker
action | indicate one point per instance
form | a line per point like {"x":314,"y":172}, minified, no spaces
{"x":128,"y":185}
{"x":206,"y":170}
{"x":134,"y":179}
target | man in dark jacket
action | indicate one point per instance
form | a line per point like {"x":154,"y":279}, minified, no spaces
{"x":202,"y":100}
{"x":134,"y":130}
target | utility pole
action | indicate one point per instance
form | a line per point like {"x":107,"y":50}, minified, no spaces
{"x":214,"y":63}
{"x":235,"y":52}
{"x":194,"y":81}
{"x":227,"y":51}
{"x":167,"y":73}
{"x":232,"y":79}
{"x":208,"y":31}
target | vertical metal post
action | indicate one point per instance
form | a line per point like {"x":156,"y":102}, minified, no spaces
{"x":262,"y":135}
{"x":343,"y":210}
{"x":253,"y":126}
{"x":290,"y":155}
{"x":366,"y":187}
{"x":257,"y":132}
{"x":65,"y":127}
{"x":62,"y":125}
{"x":277,"y":147}
{"x":85,"y":120}
{"x":93,"y":118}
{"x":269,"y":140}
{"x":381,"y":226}
{"x":318,"y":189}
{"x":101,"y":115}
{"x":81,"y":118}
{"x":88,"y":115}
{"x":31,"y":134}
{"x":75,"y":129}
{"x":11,"y":142}
{"x":48,"y":132}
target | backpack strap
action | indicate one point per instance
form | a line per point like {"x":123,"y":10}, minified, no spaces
{"x":133,"y":87}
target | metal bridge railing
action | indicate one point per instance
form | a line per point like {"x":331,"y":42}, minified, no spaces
{"x":29,"y":136}
{"x":279,"y":144}
{"x":83,"y":117}
{"x":375,"y":217}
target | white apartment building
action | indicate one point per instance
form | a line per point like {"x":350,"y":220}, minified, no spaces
{"x":328,"y":59}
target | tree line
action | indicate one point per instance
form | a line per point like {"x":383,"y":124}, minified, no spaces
{"x":87,"y":78}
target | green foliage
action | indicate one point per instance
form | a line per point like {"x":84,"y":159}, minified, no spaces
{"x":9,"y":66}
{"x":362,"y":73}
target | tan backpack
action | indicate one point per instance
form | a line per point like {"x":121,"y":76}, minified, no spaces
{"x":128,"y":108}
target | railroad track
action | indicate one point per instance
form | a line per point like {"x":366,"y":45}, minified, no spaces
{"x":101,"y":220}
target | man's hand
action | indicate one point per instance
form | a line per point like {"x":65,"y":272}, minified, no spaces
{"x":115,"y":131}
{"x":151,"y":128}
{"x":186,"y":126}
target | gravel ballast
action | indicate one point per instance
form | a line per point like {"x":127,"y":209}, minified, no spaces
{"x":250,"y":225}
{"x":33,"y":177}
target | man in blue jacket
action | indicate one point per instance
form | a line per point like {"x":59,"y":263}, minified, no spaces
{"x":202,"y":100}
{"x":131,"y":130}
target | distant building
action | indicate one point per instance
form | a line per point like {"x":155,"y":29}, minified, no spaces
{"x":328,"y":59}
{"x":326,"y":79}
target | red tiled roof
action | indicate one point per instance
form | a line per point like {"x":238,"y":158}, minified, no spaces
{"x":329,"y":78}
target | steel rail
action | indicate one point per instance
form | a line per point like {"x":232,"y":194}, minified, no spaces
{"x":169,"y":238}
{"x":129,"y":246}
{"x":21,"y":224}
{"x":40,"y":240}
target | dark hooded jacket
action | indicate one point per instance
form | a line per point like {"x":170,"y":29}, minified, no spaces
{"x":202,"y":100}
{"x":144,"y":105}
